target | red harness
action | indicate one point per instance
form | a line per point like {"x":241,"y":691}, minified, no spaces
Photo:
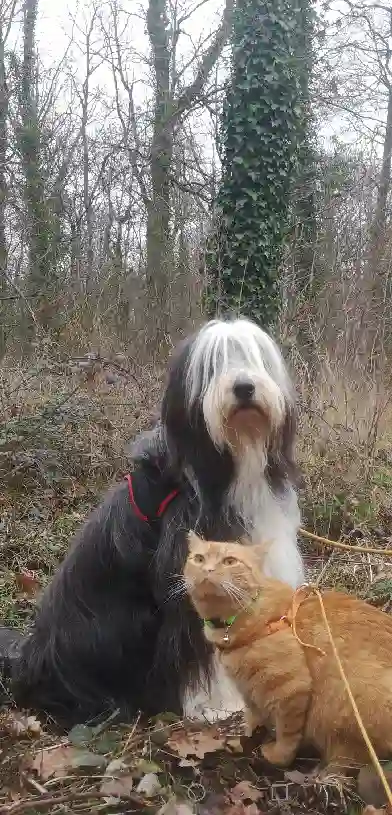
{"x":162,"y":506}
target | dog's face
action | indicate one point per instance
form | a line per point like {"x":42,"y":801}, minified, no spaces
{"x":242,"y":384}
{"x":242,"y":407}
{"x":229,"y":403}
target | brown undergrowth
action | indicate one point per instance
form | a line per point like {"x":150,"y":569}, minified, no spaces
{"x":64,"y":429}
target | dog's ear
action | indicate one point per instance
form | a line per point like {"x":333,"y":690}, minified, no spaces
{"x":260,"y":550}
{"x":193,"y":539}
{"x":244,"y":540}
{"x":257,"y":550}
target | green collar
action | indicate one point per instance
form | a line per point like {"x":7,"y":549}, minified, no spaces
{"x":215,"y":622}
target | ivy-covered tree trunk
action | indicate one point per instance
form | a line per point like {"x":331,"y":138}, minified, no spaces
{"x":262,"y":122}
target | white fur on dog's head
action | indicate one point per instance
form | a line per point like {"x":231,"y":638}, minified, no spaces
{"x":226,"y":353}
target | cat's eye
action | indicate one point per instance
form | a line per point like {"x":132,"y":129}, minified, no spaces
{"x":198,"y":558}
{"x":229,"y":561}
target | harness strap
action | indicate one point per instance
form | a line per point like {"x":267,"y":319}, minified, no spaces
{"x":162,"y":506}
{"x":165,"y":503}
{"x":286,"y":621}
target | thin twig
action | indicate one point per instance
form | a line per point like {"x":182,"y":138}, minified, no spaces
{"x":41,"y":803}
{"x":21,"y":296}
{"x":38,"y":787}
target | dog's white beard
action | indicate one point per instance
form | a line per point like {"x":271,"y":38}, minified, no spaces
{"x":268,"y":518}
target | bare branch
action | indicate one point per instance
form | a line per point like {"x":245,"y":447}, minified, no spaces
{"x":207,"y":62}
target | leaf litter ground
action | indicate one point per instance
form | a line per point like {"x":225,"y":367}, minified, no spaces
{"x":163,"y":767}
{"x":61,"y":440}
{"x":167,"y":767}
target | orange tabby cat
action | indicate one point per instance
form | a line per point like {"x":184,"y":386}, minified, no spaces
{"x":292,"y":687}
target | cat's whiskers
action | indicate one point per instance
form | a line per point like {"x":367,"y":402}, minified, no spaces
{"x":179,"y":589}
{"x":235,"y":593}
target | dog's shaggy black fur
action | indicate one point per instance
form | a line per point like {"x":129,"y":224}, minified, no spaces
{"x":110,"y":631}
{"x":107,"y":634}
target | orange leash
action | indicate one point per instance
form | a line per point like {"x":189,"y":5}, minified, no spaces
{"x":373,"y":755}
{"x":292,"y":614}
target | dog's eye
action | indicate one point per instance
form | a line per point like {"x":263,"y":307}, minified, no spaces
{"x":198,"y":558}
{"x":229,"y":561}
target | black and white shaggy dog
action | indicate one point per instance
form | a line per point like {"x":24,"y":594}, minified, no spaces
{"x":114,"y":629}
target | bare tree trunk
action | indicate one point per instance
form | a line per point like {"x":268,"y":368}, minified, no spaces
{"x":3,"y":190}
{"x":39,"y":277}
{"x":377,"y":307}
{"x":158,"y":216}
{"x":87,"y":201}
{"x":169,"y":109}
{"x":380,"y":215}
{"x":3,"y":153}
{"x":86,"y":179}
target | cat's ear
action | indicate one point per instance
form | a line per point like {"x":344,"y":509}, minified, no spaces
{"x":193,"y":539}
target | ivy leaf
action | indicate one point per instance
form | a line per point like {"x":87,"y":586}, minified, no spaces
{"x":83,"y":759}
{"x":81,"y":735}
{"x":107,"y":742}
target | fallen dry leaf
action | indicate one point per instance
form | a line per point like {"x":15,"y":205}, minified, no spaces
{"x":142,"y":767}
{"x":116,"y":767}
{"x":117,"y":787}
{"x":195,"y":744}
{"x":49,"y":763}
{"x":117,"y":781}
{"x":58,"y":761}
{"x":370,"y":810}
{"x":244,"y":791}
{"x":149,"y":785}
{"x":242,"y":809}
{"x":18,"y":725}
{"x":222,"y":804}
{"x":298,"y":778}
{"x":27,"y":582}
{"x":34,"y":726}
{"x":370,"y":788}
{"x":214,"y":803}
{"x":175,"y":807}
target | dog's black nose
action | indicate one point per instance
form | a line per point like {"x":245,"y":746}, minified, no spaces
{"x":243,"y":390}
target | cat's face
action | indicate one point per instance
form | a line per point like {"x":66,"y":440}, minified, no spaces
{"x":221,"y":574}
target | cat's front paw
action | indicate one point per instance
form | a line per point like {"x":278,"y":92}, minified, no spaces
{"x":278,"y":754}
